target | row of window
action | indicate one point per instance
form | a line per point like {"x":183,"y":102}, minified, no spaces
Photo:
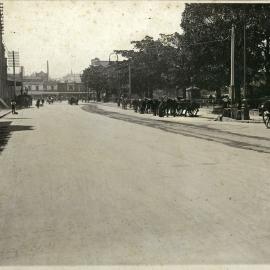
{"x":52,"y":87}
{"x":41,"y":87}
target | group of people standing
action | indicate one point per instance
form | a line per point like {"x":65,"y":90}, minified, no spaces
{"x":40,"y":102}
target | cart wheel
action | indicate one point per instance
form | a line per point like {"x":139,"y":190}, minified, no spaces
{"x":267,"y":122}
{"x":191,"y":112}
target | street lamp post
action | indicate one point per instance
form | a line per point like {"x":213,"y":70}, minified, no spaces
{"x":118,"y":76}
{"x":129,"y":79}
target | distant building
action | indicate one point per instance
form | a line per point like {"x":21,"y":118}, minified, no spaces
{"x":40,"y":75}
{"x":39,"y":82}
{"x":98,"y":62}
{"x":70,"y":87}
{"x":71,"y":77}
{"x":71,"y":84}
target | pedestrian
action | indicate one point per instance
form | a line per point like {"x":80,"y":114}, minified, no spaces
{"x":38,"y":103}
{"x":13,"y":106}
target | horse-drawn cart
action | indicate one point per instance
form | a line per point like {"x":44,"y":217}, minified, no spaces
{"x":73,"y":101}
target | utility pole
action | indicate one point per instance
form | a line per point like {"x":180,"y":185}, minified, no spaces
{"x":232,"y":88}
{"x":118,"y":78}
{"x":22,"y":71}
{"x":129,"y":78}
{"x":13,"y":59}
{"x":47,"y":70}
{"x":244,"y":83}
{"x":244,"y":106}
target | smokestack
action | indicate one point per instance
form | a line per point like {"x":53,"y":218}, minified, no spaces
{"x":47,"y":70}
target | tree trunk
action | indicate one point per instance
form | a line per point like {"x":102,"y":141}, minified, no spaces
{"x":184,"y":93}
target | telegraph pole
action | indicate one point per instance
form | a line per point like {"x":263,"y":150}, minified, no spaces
{"x":22,"y":71}
{"x":14,"y":75}
{"x":129,"y":78}
{"x":47,"y":70}
{"x":14,"y":61}
{"x":244,"y":83}
{"x":244,"y":106}
{"x":232,"y":88}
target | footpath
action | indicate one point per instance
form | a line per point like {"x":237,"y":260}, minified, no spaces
{"x":203,"y":114}
{"x":205,"y":120}
{"x":4,"y":112}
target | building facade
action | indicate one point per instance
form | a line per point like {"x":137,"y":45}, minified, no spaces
{"x":98,"y":62}
{"x":39,"y":82}
{"x":5,"y":93}
{"x":70,"y":87}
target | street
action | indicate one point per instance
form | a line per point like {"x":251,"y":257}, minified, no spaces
{"x":90,"y":185}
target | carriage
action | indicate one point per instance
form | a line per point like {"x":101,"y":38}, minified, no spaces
{"x":23,"y":101}
{"x":187,"y":108}
{"x":73,"y":101}
{"x":177,"y":107}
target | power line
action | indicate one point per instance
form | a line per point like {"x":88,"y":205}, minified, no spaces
{"x":207,"y":42}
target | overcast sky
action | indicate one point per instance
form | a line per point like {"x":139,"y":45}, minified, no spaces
{"x":71,"y":33}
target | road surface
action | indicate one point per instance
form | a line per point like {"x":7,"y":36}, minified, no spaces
{"x":93,"y":187}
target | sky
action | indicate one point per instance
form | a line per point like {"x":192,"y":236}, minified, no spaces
{"x":70,"y":33}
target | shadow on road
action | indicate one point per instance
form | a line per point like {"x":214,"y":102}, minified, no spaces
{"x":232,"y":139}
{"x":18,"y":118}
{"x":6,"y":130}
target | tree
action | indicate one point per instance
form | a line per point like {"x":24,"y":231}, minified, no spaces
{"x":207,"y":37}
{"x":156,"y":64}
{"x":94,"y":77}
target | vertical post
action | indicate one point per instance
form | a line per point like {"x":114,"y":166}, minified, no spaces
{"x":129,"y":78}
{"x":47,"y":70}
{"x":22,"y":71}
{"x":232,"y":90}
{"x":244,"y":106}
{"x":74,"y":85}
{"x":244,"y":83}
{"x":118,"y":79}
{"x":13,"y":60}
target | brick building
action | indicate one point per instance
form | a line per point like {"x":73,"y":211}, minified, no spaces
{"x":5,"y":93}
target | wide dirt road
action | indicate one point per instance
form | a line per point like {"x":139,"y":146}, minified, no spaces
{"x":82,"y":188}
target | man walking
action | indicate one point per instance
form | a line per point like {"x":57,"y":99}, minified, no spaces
{"x":13,"y":106}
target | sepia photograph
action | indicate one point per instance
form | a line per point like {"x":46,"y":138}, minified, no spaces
{"x":134,"y":134}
